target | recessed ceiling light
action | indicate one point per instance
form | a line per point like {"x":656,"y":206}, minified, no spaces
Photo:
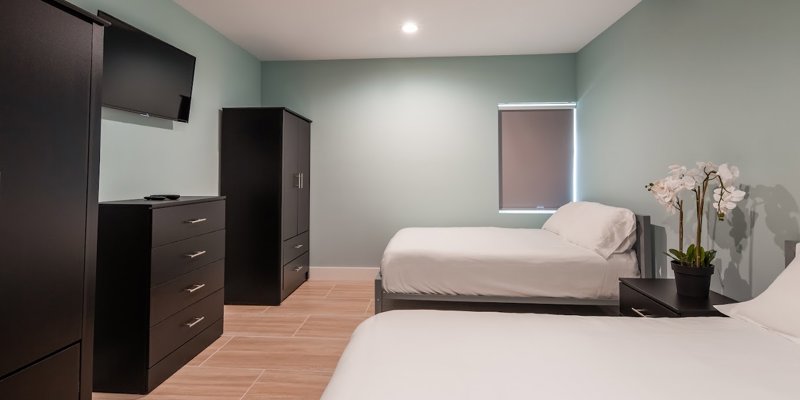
{"x":410,"y":27}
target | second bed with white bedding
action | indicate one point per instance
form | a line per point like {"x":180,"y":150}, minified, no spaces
{"x":454,"y":355}
{"x":500,"y":262}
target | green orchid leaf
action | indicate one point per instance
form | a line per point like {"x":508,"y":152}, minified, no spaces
{"x":677,"y":253}
{"x":709,"y":258}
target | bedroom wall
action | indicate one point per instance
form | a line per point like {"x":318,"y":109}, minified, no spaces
{"x":677,"y":81}
{"x":141,"y":155}
{"x":407,"y":142}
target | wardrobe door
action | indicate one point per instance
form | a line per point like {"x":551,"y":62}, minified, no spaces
{"x":44,"y":142}
{"x":290,"y":176}
{"x":304,"y":166}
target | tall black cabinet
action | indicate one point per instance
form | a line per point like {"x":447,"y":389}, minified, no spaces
{"x":49,"y":152}
{"x":264,"y":173}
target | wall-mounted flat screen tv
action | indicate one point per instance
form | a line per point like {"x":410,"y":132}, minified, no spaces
{"x":145,"y":75}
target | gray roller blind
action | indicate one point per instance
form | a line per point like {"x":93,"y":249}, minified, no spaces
{"x":536,"y":151}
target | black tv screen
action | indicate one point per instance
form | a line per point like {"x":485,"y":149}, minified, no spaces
{"x":144,"y":75}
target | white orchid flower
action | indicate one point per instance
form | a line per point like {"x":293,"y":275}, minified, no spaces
{"x":706,"y":166}
{"x":676,"y":169}
{"x":725,"y":199}
{"x":728,"y":173}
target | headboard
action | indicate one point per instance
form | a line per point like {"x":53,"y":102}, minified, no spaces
{"x":644,"y":247}
{"x":789,"y":250}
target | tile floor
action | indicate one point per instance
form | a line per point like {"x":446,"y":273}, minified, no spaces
{"x":286,"y":352}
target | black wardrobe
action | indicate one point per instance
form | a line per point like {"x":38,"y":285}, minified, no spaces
{"x":51,"y":67}
{"x":264,"y":173}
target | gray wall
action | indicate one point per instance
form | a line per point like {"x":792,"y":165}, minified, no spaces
{"x":679,"y":81}
{"x":410,"y":142}
{"x":142,"y":155}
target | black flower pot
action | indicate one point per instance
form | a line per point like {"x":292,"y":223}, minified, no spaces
{"x":692,"y":281}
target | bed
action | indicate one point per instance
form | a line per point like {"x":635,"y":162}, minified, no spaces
{"x":423,"y":266}
{"x":458,"y":355}
{"x":443,"y":355}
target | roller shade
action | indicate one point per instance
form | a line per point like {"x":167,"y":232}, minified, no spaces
{"x":536,"y":151}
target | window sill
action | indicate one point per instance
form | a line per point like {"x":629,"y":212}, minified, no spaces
{"x":535,"y":211}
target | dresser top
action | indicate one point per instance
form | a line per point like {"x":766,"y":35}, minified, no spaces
{"x":163,"y":203}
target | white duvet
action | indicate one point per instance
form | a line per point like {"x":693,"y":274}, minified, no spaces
{"x":452,"y":355}
{"x":500,"y":262}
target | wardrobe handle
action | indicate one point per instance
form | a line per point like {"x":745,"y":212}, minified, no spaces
{"x":298,"y":180}
{"x":194,"y":322}
{"x":196,"y":221}
{"x":195,"y":288}
{"x":298,"y":269}
{"x":298,"y":246}
{"x":302,"y":180}
{"x":196,"y":254}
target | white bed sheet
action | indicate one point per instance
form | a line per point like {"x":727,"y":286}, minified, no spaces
{"x":454,"y":355}
{"x":500,"y":262}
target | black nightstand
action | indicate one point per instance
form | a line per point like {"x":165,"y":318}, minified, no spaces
{"x":659,"y":298}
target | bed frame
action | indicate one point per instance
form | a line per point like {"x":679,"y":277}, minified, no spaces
{"x":790,"y":247}
{"x":644,"y":257}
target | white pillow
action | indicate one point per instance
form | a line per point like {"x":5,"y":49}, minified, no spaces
{"x":603,"y":229}
{"x":778,"y":308}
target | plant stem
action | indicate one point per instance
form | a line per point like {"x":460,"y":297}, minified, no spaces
{"x":680,"y":225}
{"x":700,"y":206}
{"x":698,"y":200}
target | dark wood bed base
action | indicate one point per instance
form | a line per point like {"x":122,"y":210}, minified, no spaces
{"x":790,"y":246}
{"x":644,"y":256}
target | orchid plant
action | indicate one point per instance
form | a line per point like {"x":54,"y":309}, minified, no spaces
{"x":699,"y":180}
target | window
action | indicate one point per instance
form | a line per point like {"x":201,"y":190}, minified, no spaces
{"x":537,"y":157}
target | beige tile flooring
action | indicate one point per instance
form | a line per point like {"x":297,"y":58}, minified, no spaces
{"x":285,"y":352}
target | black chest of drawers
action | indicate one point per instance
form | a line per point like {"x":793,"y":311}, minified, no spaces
{"x":160,"y":289}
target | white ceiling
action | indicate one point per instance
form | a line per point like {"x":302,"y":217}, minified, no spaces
{"x":348,"y":29}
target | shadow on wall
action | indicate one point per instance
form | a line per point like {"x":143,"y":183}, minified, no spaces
{"x":780,"y":211}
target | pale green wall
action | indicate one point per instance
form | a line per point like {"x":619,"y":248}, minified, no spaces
{"x":409,"y":142}
{"x":677,"y":81}
{"x":142,"y":155}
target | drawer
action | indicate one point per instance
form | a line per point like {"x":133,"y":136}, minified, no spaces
{"x":178,"y":358}
{"x":294,"y":247}
{"x":175,"y":259}
{"x":178,"y":329}
{"x":631,"y":301}
{"x":54,"y":378}
{"x":294,"y":274}
{"x":181,"y":292}
{"x":171,"y":224}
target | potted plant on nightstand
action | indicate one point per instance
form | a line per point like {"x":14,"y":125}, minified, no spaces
{"x":693,"y":268}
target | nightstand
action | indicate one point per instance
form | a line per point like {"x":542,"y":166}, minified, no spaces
{"x":659,"y":298}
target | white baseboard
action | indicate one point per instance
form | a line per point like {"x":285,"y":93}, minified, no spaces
{"x":343,"y":273}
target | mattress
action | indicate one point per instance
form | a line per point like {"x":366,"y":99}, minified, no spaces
{"x":443,"y":355}
{"x":500,"y":262}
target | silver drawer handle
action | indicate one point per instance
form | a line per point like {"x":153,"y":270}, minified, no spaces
{"x":297,"y":246}
{"x":196,"y":220}
{"x":194,"y":322}
{"x":196,"y":254}
{"x":298,"y":269}
{"x":195,"y":288}
{"x":642,"y":312}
